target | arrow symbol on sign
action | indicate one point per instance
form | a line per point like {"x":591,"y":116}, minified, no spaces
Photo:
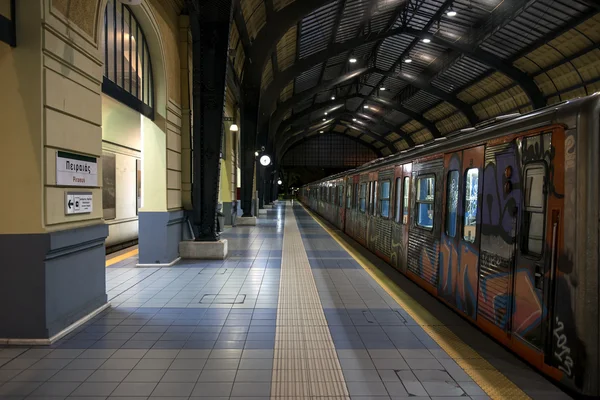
{"x":70,"y":203}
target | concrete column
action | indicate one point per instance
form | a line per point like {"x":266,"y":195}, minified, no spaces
{"x":52,"y":271}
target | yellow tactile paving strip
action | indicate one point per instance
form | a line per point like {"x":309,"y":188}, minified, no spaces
{"x":306,"y":365}
{"x":121,"y":257}
{"x":492,"y":381}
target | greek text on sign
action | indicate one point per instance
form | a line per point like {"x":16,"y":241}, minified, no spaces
{"x":76,"y":170}
{"x":79,"y":203}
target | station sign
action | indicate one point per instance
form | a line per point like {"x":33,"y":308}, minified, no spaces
{"x":79,"y":203}
{"x":76,"y":169}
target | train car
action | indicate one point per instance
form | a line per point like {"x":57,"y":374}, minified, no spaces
{"x":501,"y":223}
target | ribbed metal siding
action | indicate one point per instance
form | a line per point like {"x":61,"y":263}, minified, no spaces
{"x":383,"y":244}
{"x":495,"y":289}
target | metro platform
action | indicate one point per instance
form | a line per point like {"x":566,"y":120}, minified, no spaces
{"x":297,"y":311}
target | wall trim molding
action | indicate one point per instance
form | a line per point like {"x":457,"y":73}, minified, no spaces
{"x":175,"y":261}
{"x":59,"y":335}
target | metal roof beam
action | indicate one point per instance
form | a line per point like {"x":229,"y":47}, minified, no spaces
{"x":266,"y":40}
{"x":284,"y":107}
{"x":305,"y":138}
{"x":339,"y":102}
{"x":331,"y":119}
{"x":524,"y":80}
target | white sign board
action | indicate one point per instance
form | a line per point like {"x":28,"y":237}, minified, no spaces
{"x":79,"y":203}
{"x":76,"y":170}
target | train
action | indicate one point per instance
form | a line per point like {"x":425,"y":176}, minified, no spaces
{"x":500,"y":222}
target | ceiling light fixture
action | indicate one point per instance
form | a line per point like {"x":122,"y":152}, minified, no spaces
{"x":354,"y":119}
{"x":366,"y":107}
{"x":234,"y":128}
{"x":382,"y":89}
{"x":332,"y":97}
{"x":353,"y":60}
{"x":320,"y":131}
{"x":256,"y":153}
{"x":324,"y":119}
{"x":325,"y":112}
{"x":451,"y":13}
{"x":408,"y":60}
{"x":426,"y":40}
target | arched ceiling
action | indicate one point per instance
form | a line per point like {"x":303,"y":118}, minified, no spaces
{"x":492,"y":57}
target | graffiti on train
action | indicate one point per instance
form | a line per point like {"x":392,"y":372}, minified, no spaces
{"x":501,"y":196}
{"x":457,"y":281}
{"x":563,"y":351}
{"x":537,"y":148}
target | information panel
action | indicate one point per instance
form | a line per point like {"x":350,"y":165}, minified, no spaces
{"x":79,"y":203}
{"x":76,"y":170}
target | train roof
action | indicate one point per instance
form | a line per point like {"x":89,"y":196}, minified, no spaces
{"x":483,"y":131}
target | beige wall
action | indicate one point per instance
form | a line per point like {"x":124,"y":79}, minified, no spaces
{"x":21,"y":142}
{"x":51,"y":100}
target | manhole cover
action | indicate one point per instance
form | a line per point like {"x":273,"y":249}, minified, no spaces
{"x":222,"y":299}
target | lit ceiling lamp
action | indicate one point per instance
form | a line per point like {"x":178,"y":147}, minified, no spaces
{"x":256,"y":153}
{"x":382,"y":88}
{"x":366,"y":107}
{"x":265,"y":160}
{"x":325,"y":112}
{"x":426,"y":40}
{"x":451,"y":13}
{"x":234,"y":128}
{"x":354,"y":119}
{"x":353,"y":60}
{"x":324,"y":119}
{"x":320,"y":131}
{"x":407,"y":60}
{"x":279,"y":182}
{"x":332,"y":97}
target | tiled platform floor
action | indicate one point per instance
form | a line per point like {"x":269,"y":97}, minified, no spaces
{"x":212,"y":330}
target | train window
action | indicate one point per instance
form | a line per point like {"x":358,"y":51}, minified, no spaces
{"x":349,"y":196}
{"x":405,"y":200}
{"x":398,"y":200}
{"x":374,"y":198}
{"x":534,"y":216}
{"x":471,"y":197}
{"x":425,"y":201}
{"x":341,"y":196}
{"x":451,"y":203}
{"x":363,"y":198}
{"x":384,"y":200}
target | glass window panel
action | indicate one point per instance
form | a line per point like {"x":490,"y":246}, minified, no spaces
{"x":385,"y":189}
{"x":535,"y":200}
{"x":349,"y":196}
{"x":119,"y":39}
{"x":374,"y":198}
{"x":535,"y":234}
{"x":451,"y":203}
{"x":363,"y":198}
{"x":398,"y":200}
{"x":405,"y":200}
{"x":534,"y":187}
{"x":425,"y":200}
{"x":471,"y":198}
{"x":384,"y":201}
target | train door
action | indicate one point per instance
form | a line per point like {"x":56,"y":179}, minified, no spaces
{"x":459,"y":250}
{"x":401,"y":212}
{"x":372,"y":211}
{"x":342,"y":203}
{"x":538,"y":237}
